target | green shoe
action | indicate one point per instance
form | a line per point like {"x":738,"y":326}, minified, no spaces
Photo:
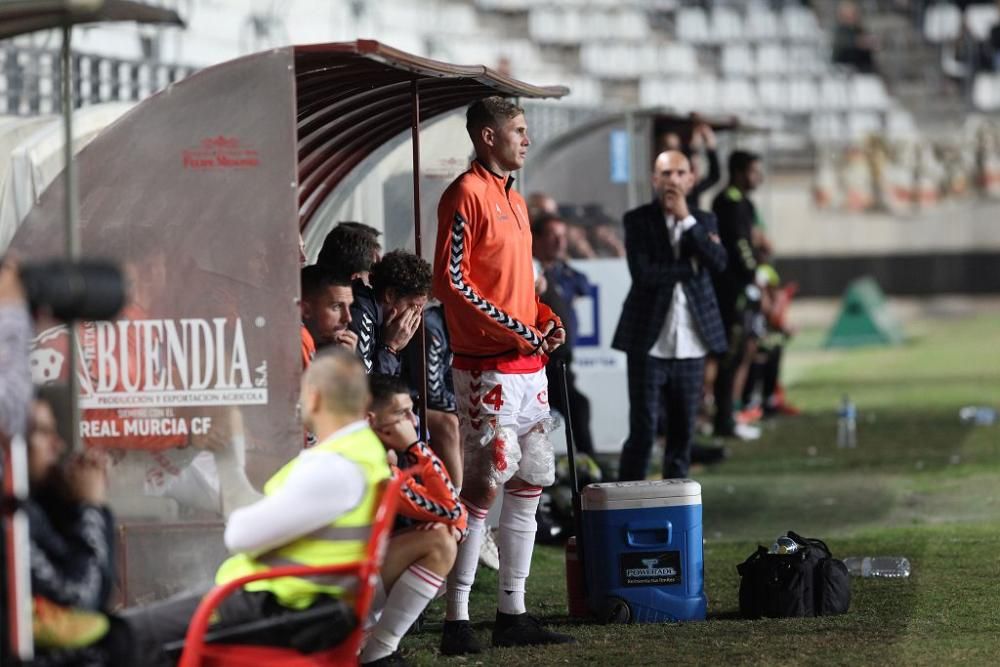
{"x":58,"y":627}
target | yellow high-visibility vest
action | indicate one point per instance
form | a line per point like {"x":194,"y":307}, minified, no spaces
{"x":342,"y":541}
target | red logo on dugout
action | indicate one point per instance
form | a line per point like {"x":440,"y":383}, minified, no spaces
{"x":220,"y":153}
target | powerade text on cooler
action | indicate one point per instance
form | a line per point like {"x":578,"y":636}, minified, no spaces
{"x":643,"y":551}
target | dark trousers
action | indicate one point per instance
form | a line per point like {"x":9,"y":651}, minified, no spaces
{"x":579,"y":404}
{"x":155,"y":627}
{"x":728,"y":363}
{"x":677,"y":383}
{"x":764,"y":372}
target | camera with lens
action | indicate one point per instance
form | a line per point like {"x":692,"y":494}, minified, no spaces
{"x":82,"y":290}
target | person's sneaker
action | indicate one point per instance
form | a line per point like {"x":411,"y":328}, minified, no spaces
{"x":394,"y":659}
{"x":750,"y":415}
{"x":524,"y":630}
{"x":746,"y":431}
{"x":457,"y":638}
{"x":57,"y":627}
{"x":489,"y":554}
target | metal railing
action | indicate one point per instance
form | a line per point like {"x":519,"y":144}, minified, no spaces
{"x":31,"y":79}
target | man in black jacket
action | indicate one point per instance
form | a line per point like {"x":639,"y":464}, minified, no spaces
{"x":670,"y":319}
{"x":735,"y":286}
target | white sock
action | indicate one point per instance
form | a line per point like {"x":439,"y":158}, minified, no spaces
{"x":409,"y":596}
{"x":516,"y":541}
{"x":463,"y":574}
{"x":378,"y":604}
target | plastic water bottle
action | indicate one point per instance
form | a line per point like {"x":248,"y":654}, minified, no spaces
{"x":847,"y":424}
{"x":879,"y":567}
{"x":784,"y":545}
{"x":980,"y":415}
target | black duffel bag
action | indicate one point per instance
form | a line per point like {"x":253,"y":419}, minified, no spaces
{"x":809,"y":582}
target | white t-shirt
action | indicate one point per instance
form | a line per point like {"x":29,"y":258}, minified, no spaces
{"x":679,"y":338}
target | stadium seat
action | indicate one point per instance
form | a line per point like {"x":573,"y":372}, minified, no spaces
{"x":827,"y":128}
{"x":806,"y":59}
{"x":198,"y":653}
{"x":505,"y":5}
{"x":550,"y":25}
{"x":583,"y":91}
{"x":799,"y":24}
{"x":867,"y":91}
{"x":726,"y":25}
{"x":737,"y":94}
{"x":708,"y":94}
{"x":803,"y":96}
{"x":834,"y":93}
{"x":942,"y":22}
{"x":772,"y":93}
{"x":979,"y":19}
{"x":986,"y":92}
{"x":679,"y":94}
{"x":761,"y":22}
{"x":626,"y":23}
{"x":692,"y":26}
{"x":737,"y":59}
{"x":457,"y":18}
{"x":675,"y":59}
{"x":772,"y":59}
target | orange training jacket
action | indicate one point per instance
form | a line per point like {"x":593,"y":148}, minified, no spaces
{"x":483,"y":271}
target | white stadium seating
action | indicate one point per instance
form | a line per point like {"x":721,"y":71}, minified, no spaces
{"x":986,"y":92}
{"x":772,"y":94}
{"x":772,"y":59}
{"x":867,"y":91}
{"x":803,"y":95}
{"x":834,"y":93}
{"x":761,"y":23}
{"x":692,"y":26}
{"x":942,"y":22}
{"x":726,"y":25}
{"x":799,"y":24}
{"x":980,"y":18}
{"x":738,"y":59}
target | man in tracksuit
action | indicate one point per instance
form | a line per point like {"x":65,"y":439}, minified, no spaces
{"x":500,"y":334}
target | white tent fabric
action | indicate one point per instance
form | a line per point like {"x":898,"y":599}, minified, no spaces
{"x":31,"y":157}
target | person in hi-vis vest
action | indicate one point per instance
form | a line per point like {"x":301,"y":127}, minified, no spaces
{"x":317,"y":510}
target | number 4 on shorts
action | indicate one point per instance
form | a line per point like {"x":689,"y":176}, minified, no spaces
{"x":494,"y":397}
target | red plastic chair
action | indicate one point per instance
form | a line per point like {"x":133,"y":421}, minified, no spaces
{"x":197,"y":653}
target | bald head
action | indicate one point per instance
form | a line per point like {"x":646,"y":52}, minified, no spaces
{"x":335,"y":384}
{"x":672,"y":168}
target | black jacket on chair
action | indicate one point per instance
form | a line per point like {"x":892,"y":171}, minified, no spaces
{"x":655,"y":272}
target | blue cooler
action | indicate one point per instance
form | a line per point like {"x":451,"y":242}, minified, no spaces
{"x":643,"y":552}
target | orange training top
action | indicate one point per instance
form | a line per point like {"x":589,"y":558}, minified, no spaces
{"x":483,"y":275}
{"x":308,"y":347}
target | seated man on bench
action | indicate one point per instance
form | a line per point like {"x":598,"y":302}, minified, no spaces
{"x":430,"y":522}
{"x":317,"y":510}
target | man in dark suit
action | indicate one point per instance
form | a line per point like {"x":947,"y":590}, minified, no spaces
{"x":670,"y":320}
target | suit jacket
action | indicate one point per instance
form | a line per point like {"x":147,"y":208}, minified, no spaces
{"x":655,"y":272}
